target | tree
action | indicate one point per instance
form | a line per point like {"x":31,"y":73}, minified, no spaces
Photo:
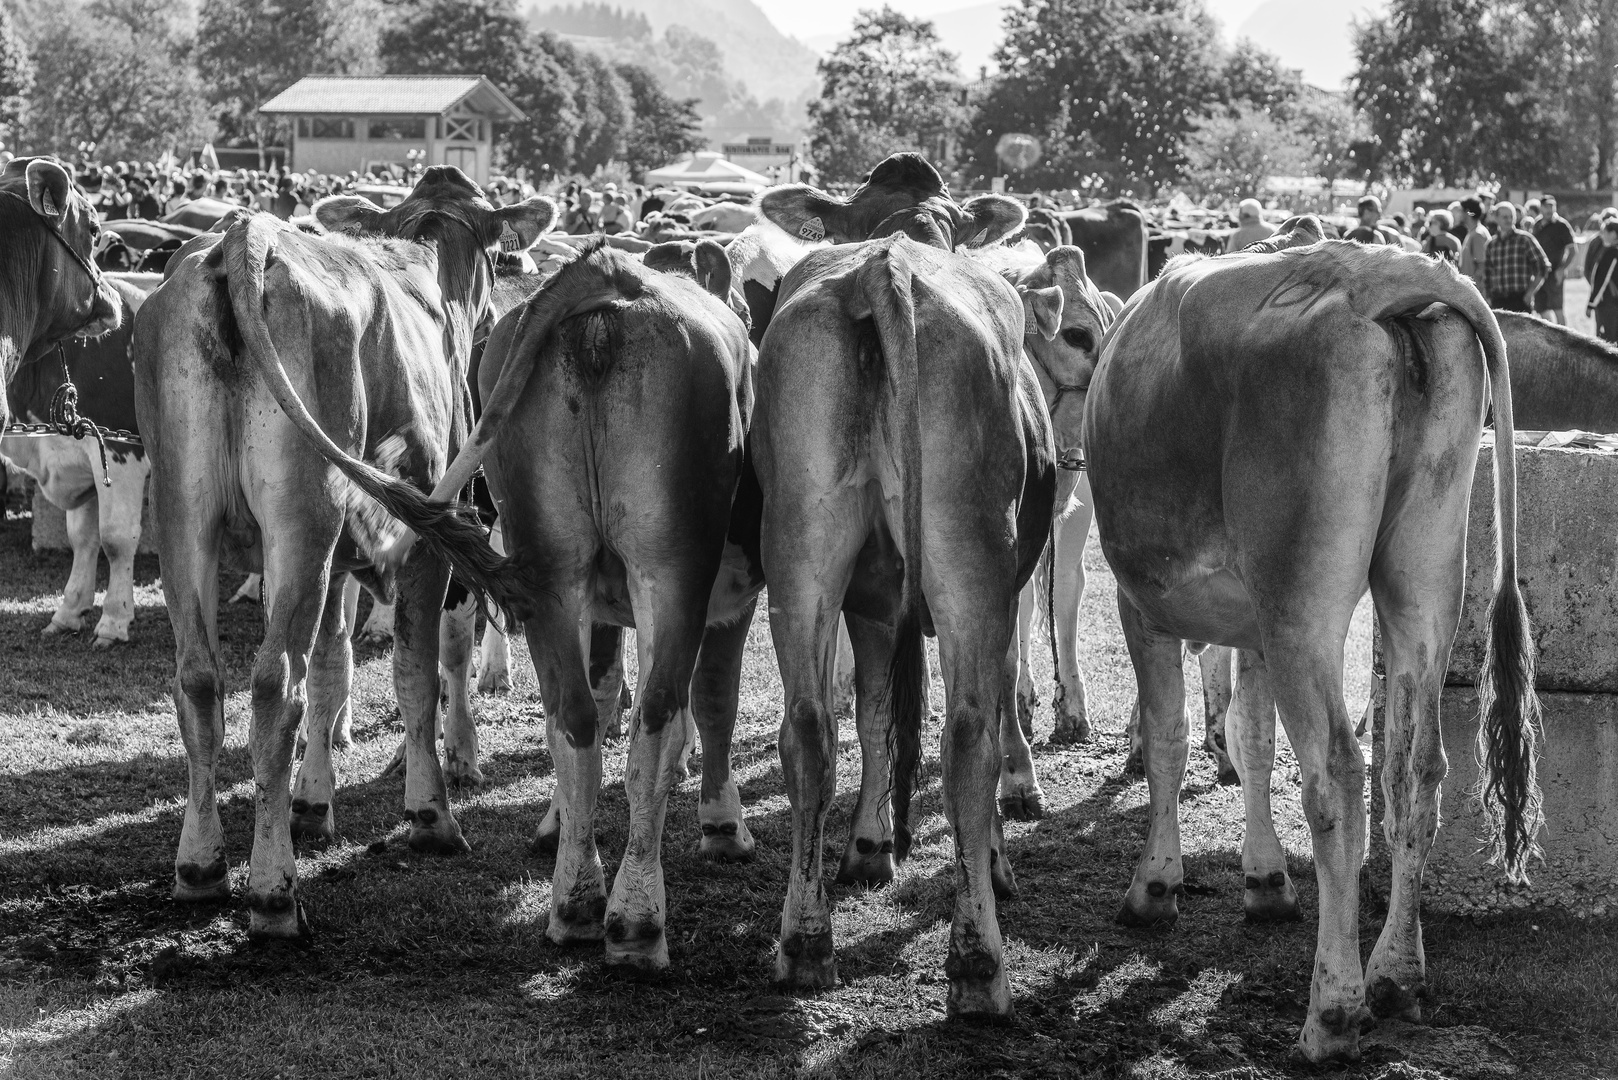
{"x":665,"y":127}
{"x":1449,"y":89}
{"x":1255,"y":77}
{"x":16,"y":78}
{"x":1111,"y":87}
{"x":1230,"y":156}
{"x":117,"y":75}
{"x":603,"y":104}
{"x":488,"y":37}
{"x":250,"y":50}
{"x":891,"y":86}
{"x":1575,"y":45}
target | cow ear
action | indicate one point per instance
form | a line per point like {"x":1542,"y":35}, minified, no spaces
{"x":522,"y":224}
{"x":348,"y":213}
{"x":49,"y":189}
{"x":803,"y":212}
{"x":993,"y":218}
{"x":1114,"y":303}
{"x":1042,"y":310}
{"x":1067,"y":262}
{"x":713,"y":269}
{"x":669,"y":257}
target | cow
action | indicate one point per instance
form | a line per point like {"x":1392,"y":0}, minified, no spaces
{"x":50,"y":290}
{"x":1113,"y":239}
{"x":69,"y":471}
{"x":268,"y":357}
{"x":892,"y":370}
{"x":1267,"y":435}
{"x":616,"y":403}
{"x":1063,"y":362}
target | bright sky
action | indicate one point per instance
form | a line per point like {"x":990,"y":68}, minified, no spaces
{"x":805,"y":20}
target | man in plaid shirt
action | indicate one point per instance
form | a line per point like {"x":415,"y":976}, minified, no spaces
{"x":1516,"y":265}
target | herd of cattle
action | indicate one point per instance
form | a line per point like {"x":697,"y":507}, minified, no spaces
{"x":899,"y":411}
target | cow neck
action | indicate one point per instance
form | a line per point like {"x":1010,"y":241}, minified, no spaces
{"x":15,"y":349}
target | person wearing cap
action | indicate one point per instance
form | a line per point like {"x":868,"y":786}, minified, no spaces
{"x":1474,"y":241}
{"x":1516,"y":265}
{"x":1250,"y":226}
{"x":1555,"y":238}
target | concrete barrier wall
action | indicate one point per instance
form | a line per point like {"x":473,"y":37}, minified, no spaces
{"x":1567,"y":563}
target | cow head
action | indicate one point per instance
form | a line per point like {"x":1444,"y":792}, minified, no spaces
{"x":49,"y":287}
{"x":1066,"y":317}
{"x":903,"y":194}
{"x":449,"y":211}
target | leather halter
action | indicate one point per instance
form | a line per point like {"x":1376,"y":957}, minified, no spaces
{"x":88,"y":267}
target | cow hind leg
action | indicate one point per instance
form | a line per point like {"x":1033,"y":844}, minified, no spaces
{"x":416,"y":616}
{"x":1021,"y":797}
{"x":843,"y":694}
{"x":118,"y":513}
{"x":190,"y":587}
{"x":494,"y":654}
{"x":457,"y":631}
{"x":83,"y":535}
{"x":1153,"y":896}
{"x":715,"y":695}
{"x":868,"y":859}
{"x":1417,"y":585}
{"x":671,"y":606}
{"x":331,"y":673}
{"x":1268,"y":895}
{"x":1214,"y":663}
{"x":296,"y":591}
{"x":1027,"y":691}
{"x":1071,"y":703}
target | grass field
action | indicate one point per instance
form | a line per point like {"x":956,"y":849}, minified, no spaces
{"x":431,"y":967}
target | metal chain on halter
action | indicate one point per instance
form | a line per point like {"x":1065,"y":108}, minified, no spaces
{"x":64,"y":419}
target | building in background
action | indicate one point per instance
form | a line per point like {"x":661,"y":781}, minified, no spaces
{"x":372,"y":123}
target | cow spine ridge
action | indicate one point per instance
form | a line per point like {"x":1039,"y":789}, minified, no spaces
{"x":247,"y":245}
{"x":1508,"y":787}
{"x":885,"y":283}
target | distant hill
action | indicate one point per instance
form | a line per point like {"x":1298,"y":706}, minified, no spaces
{"x":771,"y":64}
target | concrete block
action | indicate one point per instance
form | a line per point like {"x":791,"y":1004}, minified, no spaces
{"x":1578,"y":774}
{"x":50,"y":526}
{"x":1567,"y":562}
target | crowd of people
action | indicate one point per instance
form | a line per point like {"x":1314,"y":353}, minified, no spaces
{"x":1518,"y":257}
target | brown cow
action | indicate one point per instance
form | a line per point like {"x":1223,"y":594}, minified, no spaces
{"x":49,"y":288}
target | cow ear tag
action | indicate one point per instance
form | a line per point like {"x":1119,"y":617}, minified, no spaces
{"x":813,"y":230}
{"x":510,"y":242}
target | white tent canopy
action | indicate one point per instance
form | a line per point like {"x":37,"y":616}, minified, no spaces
{"x":704,"y":168}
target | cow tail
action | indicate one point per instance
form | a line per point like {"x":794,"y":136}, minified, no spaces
{"x":582,"y":285}
{"x":886,"y":283}
{"x":246,"y":250}
{"x":1507,"y":784}
{"x":1508,"y":788}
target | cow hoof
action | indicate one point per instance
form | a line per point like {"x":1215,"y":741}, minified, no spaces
{"x":1155,"y":905}
{"x":1071,"y":730}
{"x":1001,"y":878}
{"x":460,"y":773}
{"x":726,"y":842}
{"x":1027,"y":804}
{"x":979,"y":1000}
{"x":806,"y":961}
{"x":1228,"y":777}
{"x":1270,"y":898}
{"x":640,"y":945}
{"x":1134,"y":764}
{"x":312,"y":821}
{"x":902,"y":839}
{"x":497,"y":681}
{"x":1387,"y":998}
{"x":1333,"y":1034}
{"x":545,"y":839}
{"x":434,"y":832}
{"x":56,"y":629}
{"x":277,"y":916}
{"x":866,"y":862}
{"x":106,"y":642}
{"x":578,"y":922}
{"x":199,"y":884}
